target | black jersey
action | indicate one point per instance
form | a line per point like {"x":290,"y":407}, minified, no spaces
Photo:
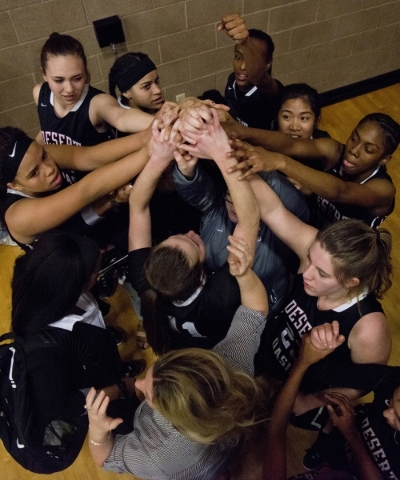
{"x":329,"y":212}
{"x":75,"y":224}
{"x":280,"y":342}
{"x":252,"y":109}
{"x":75,"y":128}
{"x":204,"y":319}
{"x":381,"y":440}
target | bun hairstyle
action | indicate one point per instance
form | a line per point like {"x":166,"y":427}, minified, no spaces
{"x":59,"y":44}
{"x":361,"y":252}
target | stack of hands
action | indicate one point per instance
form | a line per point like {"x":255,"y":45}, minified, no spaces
{"x":188,"y":124}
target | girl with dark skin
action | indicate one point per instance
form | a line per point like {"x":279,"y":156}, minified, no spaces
{"x":32,"y":172}
{"x":361,"y":183}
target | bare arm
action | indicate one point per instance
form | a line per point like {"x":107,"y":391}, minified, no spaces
{"x":252,"y":290}
{"x":101,"y":439}
{"x":376,"y":195}
{"x":88,"y":158}
{"x":105,"y":108}
{"x":274,"y":467}
{"x":291,"y":230}
{"x":254,"y":56}
{"x":144,"y":187}
{"x":102,"y":205}
{"x":370,"y":340}
{"x":36,"y":91}
{"x":30,"y":216}
{"x":213,"y":143}
{"x":258,"y":70}
{"x":326,"y":151}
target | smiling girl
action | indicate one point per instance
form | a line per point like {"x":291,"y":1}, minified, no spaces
{"x":300,"y":111}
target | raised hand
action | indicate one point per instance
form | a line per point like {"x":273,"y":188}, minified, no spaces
{"x":208,"y":142}
{"x":327,"y":336}
{"x":239,"y":258}
{"x":319,"y":343}
{"x":234,"y":26}
{"x":100,"y":423}
{"x":186,"y":163}
{"x":163,"y":143}
{"x":253,"y":159}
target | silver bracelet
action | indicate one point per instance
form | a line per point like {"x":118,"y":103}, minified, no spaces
{"x":100,"y":444}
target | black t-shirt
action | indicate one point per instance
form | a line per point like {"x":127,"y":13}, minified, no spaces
{"x":74,"y":224}
{"x":252,"y":109}
{"x":205,"y":321}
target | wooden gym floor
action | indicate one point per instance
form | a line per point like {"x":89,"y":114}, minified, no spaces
{"x":338,"y":120}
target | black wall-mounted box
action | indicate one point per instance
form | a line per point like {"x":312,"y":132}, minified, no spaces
{"x":108,"y":31}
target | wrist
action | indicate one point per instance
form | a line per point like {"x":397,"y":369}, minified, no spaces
{"x":222,"y":160}
{"x":188,"y":174}
{"x":100,"y":443}
{"x":159,"y":161}
{"x":281,"y":163}
{"x":112,"y":200}
{"x":301,"y":366}
{"x":352,"y":435}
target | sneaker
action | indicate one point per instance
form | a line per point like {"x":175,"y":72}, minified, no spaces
{"x":314,"y":457}
{"x":312,"y":460}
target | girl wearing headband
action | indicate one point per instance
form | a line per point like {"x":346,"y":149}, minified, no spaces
{"x":137,"y":79}
{"x":32,"y":192}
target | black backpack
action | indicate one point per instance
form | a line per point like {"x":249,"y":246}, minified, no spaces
{"x":63,"y":438}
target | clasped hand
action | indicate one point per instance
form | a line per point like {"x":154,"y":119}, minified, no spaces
{"x":197,"y":132}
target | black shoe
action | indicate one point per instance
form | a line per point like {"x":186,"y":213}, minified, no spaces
{"x":315,"y":457}
{"x":312,"y":460}
{"x":133,"y":368}
{"x":117,"y":334}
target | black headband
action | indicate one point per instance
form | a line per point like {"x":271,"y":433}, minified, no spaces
{"x":14,"y":156}
{"x":134,"y":74}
